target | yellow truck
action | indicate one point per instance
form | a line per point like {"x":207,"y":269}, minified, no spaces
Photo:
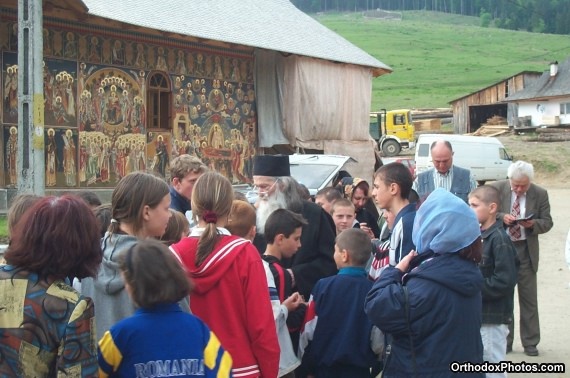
{"x":392,"y":130}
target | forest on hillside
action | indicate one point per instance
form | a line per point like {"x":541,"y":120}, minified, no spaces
{"x":539,"y":16}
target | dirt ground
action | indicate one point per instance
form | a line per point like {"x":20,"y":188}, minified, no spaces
{"x":551,"y":160}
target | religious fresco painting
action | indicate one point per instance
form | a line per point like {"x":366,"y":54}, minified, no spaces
{"x":215,"y":120}
{"x":111,"y":100}
{"x":10,"y":88}
{"x":158,"y":150}
{"x":60,"y":148}
{"x":10,"y":148}
{"x":96,"y":94}
{"x":105,"y":159}
{"x":60,"y":93}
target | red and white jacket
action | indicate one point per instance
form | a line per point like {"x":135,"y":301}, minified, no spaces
{"x":231,"y":297}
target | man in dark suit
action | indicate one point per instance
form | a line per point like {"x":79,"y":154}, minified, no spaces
{"x":521,"y":200}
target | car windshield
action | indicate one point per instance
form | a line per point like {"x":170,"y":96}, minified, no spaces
{"x":312,"y":175}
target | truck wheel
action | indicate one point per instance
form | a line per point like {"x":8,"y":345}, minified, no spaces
{"x":391,"y":148}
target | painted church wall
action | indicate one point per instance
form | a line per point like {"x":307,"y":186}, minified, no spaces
{"x":99,"y":123}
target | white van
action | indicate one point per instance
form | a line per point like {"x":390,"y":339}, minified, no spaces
{"x":485,"y":157}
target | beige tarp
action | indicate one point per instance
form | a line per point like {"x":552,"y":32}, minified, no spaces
{"x":316,"y":104}
{"x":325,"y":101}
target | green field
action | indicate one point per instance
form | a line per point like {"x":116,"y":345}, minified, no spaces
{"x":439,"y":57}
{"x":3,"y":227}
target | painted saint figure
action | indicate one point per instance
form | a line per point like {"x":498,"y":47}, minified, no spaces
{"x":11,"y":154}
{"x":51,"y":161}
{"x":104,"y":163}
{"x":82,"y":162}
{"x":11,"y":90}
{"x":216,"y":136}
{"x":69,"y":159}
{"x":161,"y":157}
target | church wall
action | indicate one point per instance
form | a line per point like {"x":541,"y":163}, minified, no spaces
{"x":96,"y":86}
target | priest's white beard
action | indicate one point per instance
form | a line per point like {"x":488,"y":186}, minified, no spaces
{"x":268,"y":206}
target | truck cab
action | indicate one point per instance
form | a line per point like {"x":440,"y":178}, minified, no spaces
{"x":392,"y":130}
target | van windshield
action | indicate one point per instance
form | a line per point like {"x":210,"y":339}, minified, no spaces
{"x":504,"y":155}
{"x":423,"y":150}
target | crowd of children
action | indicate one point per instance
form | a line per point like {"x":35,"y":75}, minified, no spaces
{"x":169,"y":299}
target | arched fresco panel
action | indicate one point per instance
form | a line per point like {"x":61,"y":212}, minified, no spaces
{"x":112,"y":124}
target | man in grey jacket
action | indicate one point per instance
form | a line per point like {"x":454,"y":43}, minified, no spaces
{"x":444,"y":174}
{"x":525,"y":211}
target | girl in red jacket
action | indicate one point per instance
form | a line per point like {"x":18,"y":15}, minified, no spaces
{"x":231,"y":288}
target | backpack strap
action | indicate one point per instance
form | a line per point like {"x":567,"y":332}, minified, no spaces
{"x":281,"y":274}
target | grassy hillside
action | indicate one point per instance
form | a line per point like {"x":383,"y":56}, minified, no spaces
{"x":439,"y":57}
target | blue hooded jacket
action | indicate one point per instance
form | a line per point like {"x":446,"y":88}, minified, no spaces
{"x":444,"y":292}
{"x":445,"y":316}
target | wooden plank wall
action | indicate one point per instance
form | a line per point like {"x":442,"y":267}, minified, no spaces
{"x":489,"y":96}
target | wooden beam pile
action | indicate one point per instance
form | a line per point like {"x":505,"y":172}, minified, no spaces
{"x":496,"y":120}
{"x":430,"y":119}
{"x":490,"y":130}
{"x":496,"y":125}
{"x":552,"y":134}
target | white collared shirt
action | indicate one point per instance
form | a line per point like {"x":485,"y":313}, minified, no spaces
{"x":443,"y":180}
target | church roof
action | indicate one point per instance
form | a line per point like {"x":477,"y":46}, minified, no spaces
{"x":266,"y":24}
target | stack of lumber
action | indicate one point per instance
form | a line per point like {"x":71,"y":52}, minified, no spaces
{"x":491,"y":130}
{"x":496,"y":120}
{"x":428,"y":124}
{"x":552,"y":135}
{"x":430,"y":119}
{"x":427,"y":113}
{"x":496,"y":125}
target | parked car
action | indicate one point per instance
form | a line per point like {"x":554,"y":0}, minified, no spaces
{"x":409,"y":162}
{"x":312,"y":170}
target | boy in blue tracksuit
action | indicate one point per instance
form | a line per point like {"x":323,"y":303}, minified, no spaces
{"x":336,"y":339}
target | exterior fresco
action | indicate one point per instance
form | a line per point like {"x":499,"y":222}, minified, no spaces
{"x":96,"y":94}
{"x":215,"y":121}
{"x":61,"y":157}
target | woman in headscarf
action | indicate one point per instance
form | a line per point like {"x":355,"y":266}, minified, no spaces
{"x":356,"y":190}
{"x":430,"y":303}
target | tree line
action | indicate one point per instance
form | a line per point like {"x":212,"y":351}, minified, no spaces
{"x":540,"y":16}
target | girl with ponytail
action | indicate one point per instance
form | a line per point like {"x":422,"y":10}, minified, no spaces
{"x":230,"y":292}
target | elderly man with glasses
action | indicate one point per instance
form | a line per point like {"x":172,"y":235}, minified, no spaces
{"x":276,"y":189}
{"x":525,"y":212}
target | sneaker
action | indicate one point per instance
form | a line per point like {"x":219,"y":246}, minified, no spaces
{"x":531,"y":351}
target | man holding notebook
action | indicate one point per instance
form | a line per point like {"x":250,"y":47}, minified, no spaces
{"x":525,"y":212}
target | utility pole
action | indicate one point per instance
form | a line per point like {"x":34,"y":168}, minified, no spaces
{"x":30,"y":160}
